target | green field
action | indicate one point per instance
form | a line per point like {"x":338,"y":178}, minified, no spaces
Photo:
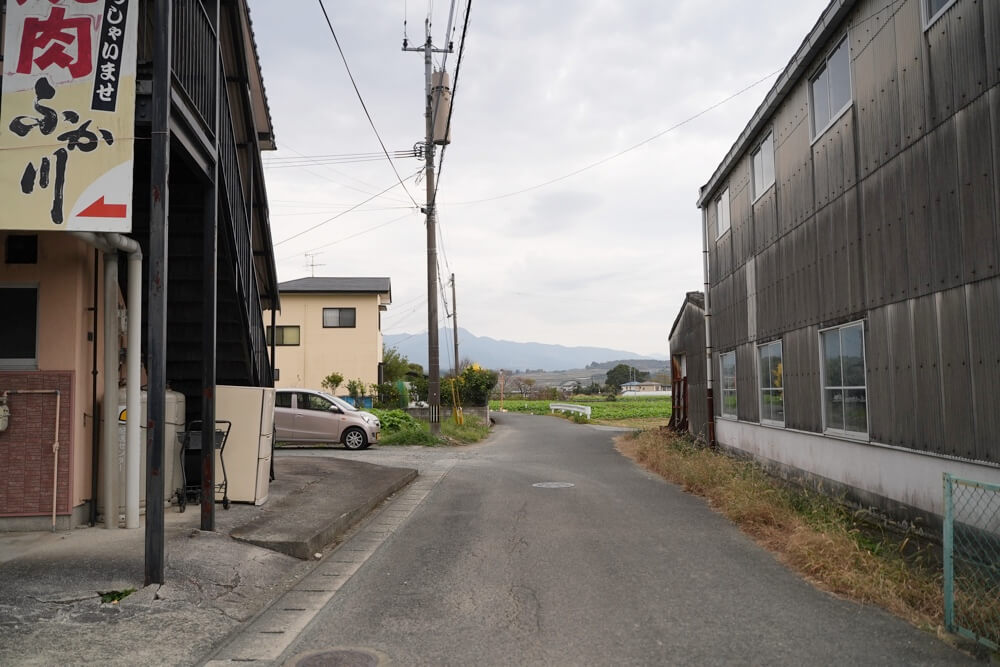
{"x":633,"y":411}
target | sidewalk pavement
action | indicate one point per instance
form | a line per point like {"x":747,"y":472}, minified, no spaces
{"x":50,"y":583}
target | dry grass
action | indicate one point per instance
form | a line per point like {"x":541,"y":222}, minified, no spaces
{"x":814,"y":535}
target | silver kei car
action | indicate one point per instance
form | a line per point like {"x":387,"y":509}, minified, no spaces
{"x":305,"y":416}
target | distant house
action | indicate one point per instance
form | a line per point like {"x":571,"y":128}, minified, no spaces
{"x":853,"y":259}
{"x":687,"y":366}
{"x":329,"y":325}
{"x":641,"y":387}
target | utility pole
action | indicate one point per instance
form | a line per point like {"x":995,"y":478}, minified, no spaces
{"x":433,"y":349}
{"x":454,"y":320}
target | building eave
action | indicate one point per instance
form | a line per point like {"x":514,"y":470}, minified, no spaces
{"x":815,"y":42}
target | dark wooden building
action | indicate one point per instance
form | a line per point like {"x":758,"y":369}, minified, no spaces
{"x":687,"y":367}
{"x":854,"y":265}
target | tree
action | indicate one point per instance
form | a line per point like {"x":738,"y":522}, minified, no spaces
{"x":394,"y":365}
{"x":475,"y":384}
{"x":623,"y":373}
{"x":332,"y":381}
{"x":356,"y":390}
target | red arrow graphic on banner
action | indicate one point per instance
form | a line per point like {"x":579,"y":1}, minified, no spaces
{"x":101,"y":210}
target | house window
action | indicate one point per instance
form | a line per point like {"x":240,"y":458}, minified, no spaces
{"x":830,"y":88}
{"x":727,"y":379}
{"x":287,"y":335}
{"x":763,"y":166}
{"x":772,"y":392}
{"x":934,"y":9}
{"x":339,"y":317}
{"x":845,"y":396}
{"x":19,"y":337}
{"x":722,"y":209}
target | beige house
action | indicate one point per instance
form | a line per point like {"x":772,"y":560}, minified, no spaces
{"x":329,"y":325}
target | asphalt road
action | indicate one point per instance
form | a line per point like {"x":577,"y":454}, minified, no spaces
{"x":620,"y":568}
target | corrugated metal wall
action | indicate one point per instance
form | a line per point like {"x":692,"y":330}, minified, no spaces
{"x":688,"y":339}
{"x":892,"y":216}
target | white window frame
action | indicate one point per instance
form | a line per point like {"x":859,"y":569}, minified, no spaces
{"x":761,"y":389}
{"x":844,"y":433}
{"x":931,"y":20}
{"x":835,"y":115}
{"x":722,"y":204}
{"x":24,"y":364}
{"x":723,"y":391}
{"x":760,"y":188}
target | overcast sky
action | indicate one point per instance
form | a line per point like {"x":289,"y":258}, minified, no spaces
{"x":546,"y":87}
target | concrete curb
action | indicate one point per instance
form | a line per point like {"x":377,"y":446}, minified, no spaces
{"x":330,"y":511}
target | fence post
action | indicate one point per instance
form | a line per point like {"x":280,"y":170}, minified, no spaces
{"x":949,"y":557}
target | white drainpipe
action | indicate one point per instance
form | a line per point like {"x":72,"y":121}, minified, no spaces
{"x":110,"y":244}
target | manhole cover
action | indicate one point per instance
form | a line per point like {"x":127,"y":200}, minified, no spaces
{"x":338,"y":658}
{"x":553,"y":485}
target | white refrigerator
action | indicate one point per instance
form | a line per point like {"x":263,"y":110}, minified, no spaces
{"x":247,"y":453}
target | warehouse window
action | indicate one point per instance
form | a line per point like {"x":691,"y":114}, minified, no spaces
{"x":772,"y":391}
{"x":727,"y":380}
{"x":19,"y":337}
{"x":763,"y":166}
{"x":722,"y":212}
{"x":935,"y":9}
{"x":287,"y":335}
{"x":830,"y":88}
{"x":845,"y":396}
{"x":339,"y":317}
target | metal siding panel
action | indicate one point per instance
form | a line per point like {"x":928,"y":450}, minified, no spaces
{"x":916,"y":195}
{"x":940,"y":83}
{"x":747,"y":408}
{"x":821,"y":171}
{"x":909,"y":57}
{"x":968,"y":50}
{"x":724,"y":256}
{"x":866,"y":111}
{"x":984,"y":356}
{"x":959,"y":437}
{"x":994,"y":103}
{"x":975,"y":169}
{"x":945,"y":212}
{"x":930,"y":417}
{"x":813,"y":417}
{"x":878,"y":365}
{"x":886,"y":94}
{"x":873,"y":241}
{"x":809,"y":276}
{"x":902,"y":378}
{"x":791,"y":379}
{"x":739,"y":297}
{"x":893,"y":232}
{"x":991,"y":31}
{"x":829,"y":249}
{"x":854,"y":257}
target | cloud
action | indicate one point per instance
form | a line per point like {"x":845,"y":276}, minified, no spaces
{"x":603,"y":257}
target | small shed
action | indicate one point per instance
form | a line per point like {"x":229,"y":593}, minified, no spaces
{"x":687,"y":366}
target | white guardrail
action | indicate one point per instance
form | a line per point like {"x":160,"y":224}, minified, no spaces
{"x":570,"y":407}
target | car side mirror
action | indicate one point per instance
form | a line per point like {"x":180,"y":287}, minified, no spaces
{"x":334,"y":408}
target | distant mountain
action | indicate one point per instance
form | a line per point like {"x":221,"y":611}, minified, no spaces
{"x":493,"y":353}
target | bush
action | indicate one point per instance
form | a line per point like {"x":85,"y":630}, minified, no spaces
{"x":396,"y":420}
{"x":475,"y":384}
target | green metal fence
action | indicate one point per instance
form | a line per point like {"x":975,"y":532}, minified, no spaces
{"x":972,"y":560}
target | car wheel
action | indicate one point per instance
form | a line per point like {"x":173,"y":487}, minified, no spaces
{"x":355,"y":438}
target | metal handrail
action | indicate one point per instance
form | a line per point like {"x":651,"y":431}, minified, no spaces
{"x":194,"y":40}
{"x":570,"y":407}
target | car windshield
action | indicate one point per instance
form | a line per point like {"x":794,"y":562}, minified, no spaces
{"x":341,"y":403}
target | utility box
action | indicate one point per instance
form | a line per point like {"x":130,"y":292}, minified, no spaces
{"x":441,"y":96}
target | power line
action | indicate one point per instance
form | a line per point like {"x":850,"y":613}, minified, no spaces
{"x":340,"y":173}
{"x":363,"y":105}
{"x":342,"y":213}
{"x":351,"y":236}
{"x":627,"y":150}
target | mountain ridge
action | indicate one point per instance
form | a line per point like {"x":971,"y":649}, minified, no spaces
{"x":498,"y":353}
